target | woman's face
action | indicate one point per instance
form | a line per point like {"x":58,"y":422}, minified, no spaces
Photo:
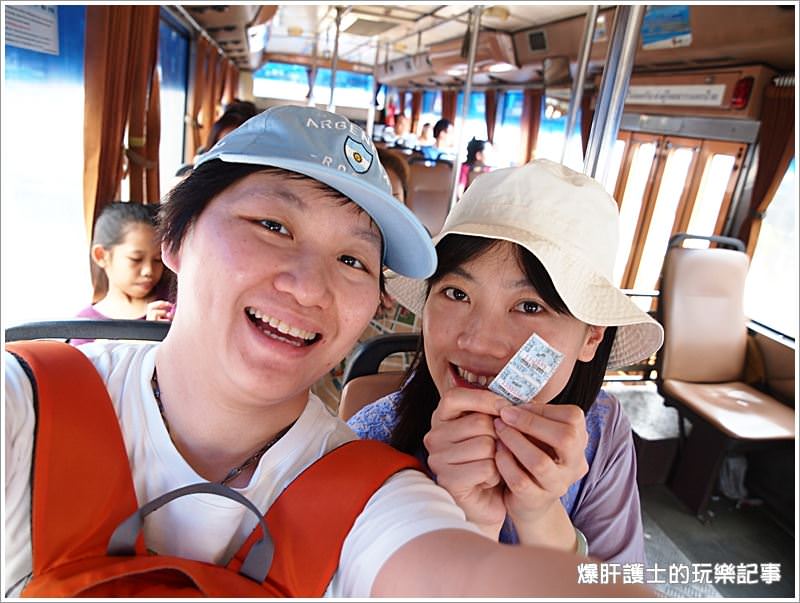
{"x":477,"y":316}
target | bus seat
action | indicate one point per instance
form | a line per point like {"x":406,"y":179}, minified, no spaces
{"x":360,"y":391}
{"x":429,"y":193}
{"x":702,"y":364}
{"x":362,"y":381}
{"x":89,"y":328}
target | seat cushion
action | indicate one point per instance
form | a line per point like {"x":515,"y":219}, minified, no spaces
{"x":735,"y":408}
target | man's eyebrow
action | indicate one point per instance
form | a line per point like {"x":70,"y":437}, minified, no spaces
{"x":283,"y":193}
{"x":370,"y":236}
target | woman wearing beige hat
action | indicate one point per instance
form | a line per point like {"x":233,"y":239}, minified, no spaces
{"x":527,"y":250}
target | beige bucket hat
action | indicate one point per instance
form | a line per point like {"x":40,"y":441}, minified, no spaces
{"x":570,"y":223}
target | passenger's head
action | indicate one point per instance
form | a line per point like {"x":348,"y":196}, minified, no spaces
{"x":441,"y":130}
{"x":126,"y":251}
{"x":475,"y":149}
{"x":226,"y":124}
{"x":426,"y":134}
{"x":398,"y":171}
{"x":289,"y":218}
{"x":529,"y":250}
{"x":401,"y":124}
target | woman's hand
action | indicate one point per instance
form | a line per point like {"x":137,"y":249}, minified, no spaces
{"x":461,"y":452}
{"x":159,"y":310}
{"x":540,"y":453}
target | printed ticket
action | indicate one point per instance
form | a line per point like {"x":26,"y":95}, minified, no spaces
{"x":527,"y":371}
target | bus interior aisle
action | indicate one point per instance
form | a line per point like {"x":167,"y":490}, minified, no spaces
{"x":685,"y":114}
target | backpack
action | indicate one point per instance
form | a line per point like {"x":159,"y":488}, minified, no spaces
{"x":86,"y":525}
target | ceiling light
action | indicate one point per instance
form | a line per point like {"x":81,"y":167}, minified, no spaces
{"x":501,"y":67}
{"x":498,"y":12}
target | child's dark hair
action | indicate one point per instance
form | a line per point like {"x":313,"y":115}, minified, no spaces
{"x":110,"y":229}
{"x":474,"y":147}
{"x":419,"y":397}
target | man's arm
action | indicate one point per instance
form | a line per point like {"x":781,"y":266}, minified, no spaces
{"x":462,"y":563}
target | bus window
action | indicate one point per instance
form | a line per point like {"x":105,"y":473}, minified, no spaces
{"x":550,"y":142}
{"x":476,"y":122}
{"x":46,"y":257}
{"x":672,"y":186}
{"x":507,"y":131}
{"x":173,"y":64}
{"x":713,"y":186}
{"x":771,"y":288}
{"x":281,"y":81}
{"x":631,"y":202}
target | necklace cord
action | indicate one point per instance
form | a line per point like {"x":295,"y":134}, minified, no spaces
{"x":236,"y":471}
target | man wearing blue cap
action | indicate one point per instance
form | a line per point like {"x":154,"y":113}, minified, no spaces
{"x":278,"y":239}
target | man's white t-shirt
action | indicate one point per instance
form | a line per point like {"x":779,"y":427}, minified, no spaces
{"x":207,"y":527}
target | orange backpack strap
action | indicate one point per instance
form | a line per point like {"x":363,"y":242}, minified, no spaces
{"x":313,"y":515}
{"x":81,"y":480}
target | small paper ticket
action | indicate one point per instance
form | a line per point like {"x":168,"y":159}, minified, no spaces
{"x":527,"y":371}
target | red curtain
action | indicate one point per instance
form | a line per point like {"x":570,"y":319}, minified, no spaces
{"x":490,"y":98}
{"x":775,"y":152}
{"x":119,"y":62}
{"x":202,"y":53}
{"x":144,"y":32}
{"x":416,"y":109}
{"x":587,"y":114}
{"x":529,"y":123}
{"x":449,"y":98}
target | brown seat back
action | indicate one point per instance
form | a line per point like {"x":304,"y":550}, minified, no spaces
{"x":360,"y":391}
{"x":705,"y":332}
{"x":429,"y":193}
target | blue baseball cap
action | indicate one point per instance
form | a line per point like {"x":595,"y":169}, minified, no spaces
{"x":331,"y":149}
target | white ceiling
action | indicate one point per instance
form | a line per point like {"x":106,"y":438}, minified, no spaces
{"x":400,"y":30}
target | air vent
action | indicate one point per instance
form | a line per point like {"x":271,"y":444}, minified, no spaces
{"x":537,"y":41}
{"x":365,"y":27}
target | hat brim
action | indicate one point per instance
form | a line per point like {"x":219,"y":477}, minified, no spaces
{"x":590,"y":298}
{"x":408,"y":247}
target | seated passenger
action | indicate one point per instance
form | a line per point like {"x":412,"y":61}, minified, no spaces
{"x":475,"y":163}
{"x":398,"y":172}
{"x":527,"y":250}
{"x":441,"y":146}
{"x":128,"y":277}
{"x":278,"y":239}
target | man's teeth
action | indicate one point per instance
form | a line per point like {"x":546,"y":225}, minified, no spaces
{"x":281,"y":326}
{"x":481,"y":380}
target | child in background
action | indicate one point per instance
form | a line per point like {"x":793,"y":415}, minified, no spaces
{"x":128,"y":277}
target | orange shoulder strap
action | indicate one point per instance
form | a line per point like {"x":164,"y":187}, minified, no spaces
{"x":81,"y":482}
{"x":311,"y":518}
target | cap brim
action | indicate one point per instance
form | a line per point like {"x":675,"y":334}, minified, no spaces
{"x":408,"y":247}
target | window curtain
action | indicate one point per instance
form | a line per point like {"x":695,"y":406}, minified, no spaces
{"x":202,"y":53}
{"x":112,"y":48}
{"x":231,"y":85}
{"x":587,"y":114}
{"x":449,"y":98}
{"x":402,"y":100}
{"x":529,"y":123}
{"x":416,"y":109}
{"x":490,"y":104}
{"x":211,"y":94}
{"x":775,"y":152}
{"x":144,"y":31}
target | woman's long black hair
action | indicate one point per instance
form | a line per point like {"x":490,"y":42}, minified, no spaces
{"x":419,"y":397}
